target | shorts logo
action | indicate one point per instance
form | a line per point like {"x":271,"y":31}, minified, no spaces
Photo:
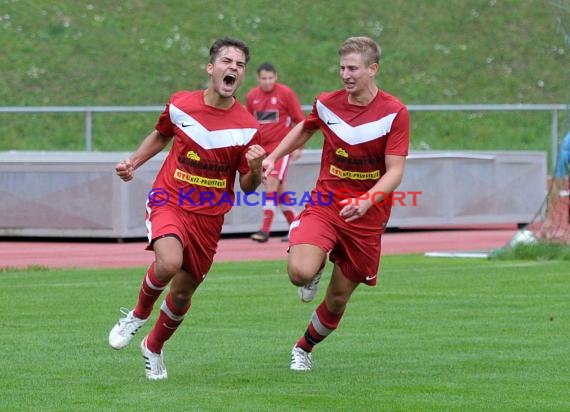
{"x":369,"y":278}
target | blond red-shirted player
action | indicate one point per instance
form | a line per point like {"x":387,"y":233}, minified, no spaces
{"x":277,"y":109}
{"x":213,"y":138}
{"x":366,"y":139}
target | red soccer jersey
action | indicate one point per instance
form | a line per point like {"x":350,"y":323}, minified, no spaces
{"x":356,"y":140}
{"x":209,"y":147}
{"x":275,"y":111}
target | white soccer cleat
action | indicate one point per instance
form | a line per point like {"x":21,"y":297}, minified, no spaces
{"x":307,"y":293}
{"x":124,"y":330}
{"x":153,"y":363}
{"x":301,"y":360}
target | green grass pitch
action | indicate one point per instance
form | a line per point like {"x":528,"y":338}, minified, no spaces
{"x":434,"y":335}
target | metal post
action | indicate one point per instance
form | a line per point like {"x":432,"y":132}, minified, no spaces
{"x":88,"y":130}
{"x":554,"y":137}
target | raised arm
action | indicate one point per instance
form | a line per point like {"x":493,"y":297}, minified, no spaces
{"x":151,"y":145}
{"x":295,"y":139}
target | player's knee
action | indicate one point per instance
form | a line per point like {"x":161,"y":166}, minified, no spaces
{"x":166,"y":268}
{"x":300,"y":275}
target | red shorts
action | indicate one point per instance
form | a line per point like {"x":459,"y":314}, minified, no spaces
{"x":357,"y":253}
{"x":281,"y":168}
{"x":198,"y":234}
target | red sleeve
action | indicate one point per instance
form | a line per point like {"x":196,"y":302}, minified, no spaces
{"x":294,"y":107}
{"x":312,"y":121}
{"x":164,"y":125}
{"x":243,"y":167}
{"x":399,"y":137}
{"x":248,"y":100}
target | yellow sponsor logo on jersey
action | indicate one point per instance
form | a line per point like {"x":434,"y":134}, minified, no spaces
{"x":349,"y":174}
{"x":193,"y":155}
{"x":199,"y":180}
{"x":341,"y":152}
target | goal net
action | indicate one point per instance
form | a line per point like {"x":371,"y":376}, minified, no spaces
{"x":551,"y":223}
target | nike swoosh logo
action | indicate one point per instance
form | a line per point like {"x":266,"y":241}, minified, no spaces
{"x":186,"y":124}
{"x":369,"y":278}
{"x":331,"y":123}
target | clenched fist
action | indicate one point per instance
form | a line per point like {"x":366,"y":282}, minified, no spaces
{"x":125,"y":170}
{"x":255,"y":155}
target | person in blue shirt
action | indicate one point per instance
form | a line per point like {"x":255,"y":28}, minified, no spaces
{"x":563,"y":161}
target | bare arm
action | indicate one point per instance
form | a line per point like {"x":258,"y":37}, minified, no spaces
{"x":392,"y":178}
{"x":296,"y":153}
{"x":295,"y":139}
{"x":151,"y":145}
{"x":295,"y":112}
{"x":355,"y":208}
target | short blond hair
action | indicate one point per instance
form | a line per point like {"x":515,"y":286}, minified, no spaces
{"x":363,"y":45}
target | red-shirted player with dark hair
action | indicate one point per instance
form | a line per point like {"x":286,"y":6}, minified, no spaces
{"x":214,"y":137}
{"x":277,"y":109}
{"x":366,"y":140}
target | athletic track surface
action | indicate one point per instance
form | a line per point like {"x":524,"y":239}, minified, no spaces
{"x":22,"y":253}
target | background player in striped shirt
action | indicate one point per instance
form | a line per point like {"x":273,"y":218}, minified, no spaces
{"x":277,"y":109}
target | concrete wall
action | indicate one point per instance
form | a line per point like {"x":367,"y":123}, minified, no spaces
{"x":76,"y":194}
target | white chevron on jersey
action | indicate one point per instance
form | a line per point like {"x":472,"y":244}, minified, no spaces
{"x":209,"y":139}
{"x":355,"y":134}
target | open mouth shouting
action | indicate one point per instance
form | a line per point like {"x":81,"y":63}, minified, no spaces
{"x":229,"y":82}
